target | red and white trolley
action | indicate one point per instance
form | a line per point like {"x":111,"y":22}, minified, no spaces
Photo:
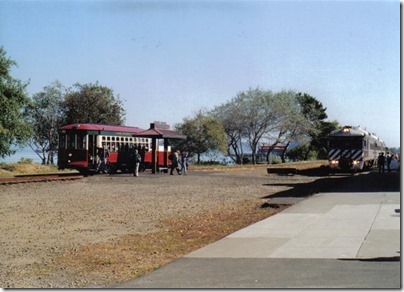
{"x":79,"y":145}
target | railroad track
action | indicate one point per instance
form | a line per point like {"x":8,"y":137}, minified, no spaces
{"x":30,"y":178}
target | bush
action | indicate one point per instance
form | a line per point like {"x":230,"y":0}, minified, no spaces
{"x":210,"y":162}
{"x":7,"y":166}
{"x":25,"y":161}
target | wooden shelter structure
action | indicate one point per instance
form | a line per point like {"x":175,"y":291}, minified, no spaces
{"x":158,"y":131}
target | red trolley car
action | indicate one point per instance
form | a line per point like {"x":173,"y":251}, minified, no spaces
{"x":80,"y":145}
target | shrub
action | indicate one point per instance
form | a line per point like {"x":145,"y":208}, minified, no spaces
{"x":25,"y":161}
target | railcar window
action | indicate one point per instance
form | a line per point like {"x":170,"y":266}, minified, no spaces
{"x":71,"y":141}
{"x":81,"y":141}
{"x":62,"y":141}
{"x":346,"y":143}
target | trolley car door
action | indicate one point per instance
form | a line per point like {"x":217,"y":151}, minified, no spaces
{"x":92,"y":148}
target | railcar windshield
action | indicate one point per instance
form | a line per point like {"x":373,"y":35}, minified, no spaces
{"x":62,"y":141}
{"x":345,"y":143}
{"x":72,"y":141}
{"x":81,"y":141}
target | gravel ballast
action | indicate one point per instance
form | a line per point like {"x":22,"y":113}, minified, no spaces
{"x":50,"y":229}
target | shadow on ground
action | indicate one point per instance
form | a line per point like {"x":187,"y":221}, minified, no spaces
{"x":363,"y":182}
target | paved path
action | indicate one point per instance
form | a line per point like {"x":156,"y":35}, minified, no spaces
{"x":330,"y":240}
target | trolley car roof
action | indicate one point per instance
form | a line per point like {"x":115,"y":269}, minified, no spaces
{"x":153,"y":132}
{"x":96,"y":127}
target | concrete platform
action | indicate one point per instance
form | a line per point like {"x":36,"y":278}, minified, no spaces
{"x":326,"y":226}
{"x":330,"y":240}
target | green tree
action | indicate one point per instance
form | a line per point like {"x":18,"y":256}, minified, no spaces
{"x":203,"y":132}
{"x":288,"y":122}
{"x":315,"y":113}
{"x":257,"y":115}
{"x":44,"y":114}
{"x":93,"y":103}
{"x":232,"y":117}
{"x":13,"y":129}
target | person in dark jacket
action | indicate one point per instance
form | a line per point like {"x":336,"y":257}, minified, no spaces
{"x":174,"y":162}
{"x":380,"y":162}
{"x":136,"y":159}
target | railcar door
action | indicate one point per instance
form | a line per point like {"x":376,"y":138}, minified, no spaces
{"x":92,"y":150}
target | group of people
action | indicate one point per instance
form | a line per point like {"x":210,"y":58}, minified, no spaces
{"x":388,"y":160}
{"x":179,"y":161}
{"x":102,"y":159}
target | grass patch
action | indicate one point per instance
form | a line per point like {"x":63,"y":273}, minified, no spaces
{"x":27,"y":166}
{"x":131,"y":256}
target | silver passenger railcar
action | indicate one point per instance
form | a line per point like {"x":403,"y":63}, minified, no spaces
{"x":353,"y":149}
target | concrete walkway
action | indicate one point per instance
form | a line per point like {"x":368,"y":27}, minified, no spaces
{"x":330,"y":240}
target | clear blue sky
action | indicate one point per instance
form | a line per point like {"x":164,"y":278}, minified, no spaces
{"x":168,"y":59}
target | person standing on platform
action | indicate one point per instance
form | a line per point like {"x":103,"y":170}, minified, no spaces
{"x":174,"y":162}
{"x":389,"y":159}
{"x":136,"y":162}
{"x":184,"y":163}
{"x":380,"y":162}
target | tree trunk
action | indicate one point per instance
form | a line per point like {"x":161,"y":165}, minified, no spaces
{"x":284,"y":152}
{"x":253,"y":157}
{"x":270,"y":150}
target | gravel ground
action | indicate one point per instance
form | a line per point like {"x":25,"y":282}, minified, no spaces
{"x":44,"y":224}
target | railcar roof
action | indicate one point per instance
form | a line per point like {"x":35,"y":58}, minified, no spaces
{"x":97,"y":127}
{"x":353,"y":131}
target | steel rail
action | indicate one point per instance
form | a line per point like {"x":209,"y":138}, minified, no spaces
{"x":30,"y":178}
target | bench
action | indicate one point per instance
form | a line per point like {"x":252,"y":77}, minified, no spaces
{"x":283,"y":170}
{"x":163,"y":169}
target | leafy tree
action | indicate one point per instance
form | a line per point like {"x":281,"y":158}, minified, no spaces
{"x":93,"y":103}
{"x":44,"y":114}
{"x":288,"y":122}
{"x":256,"y":115}
{"x":315,"y":113}
{"x":319,"y":143}
{"x":232,"y":117}
{"x":13,"y":130}
{"x":302,"y":152}
{"x":203,"y":132}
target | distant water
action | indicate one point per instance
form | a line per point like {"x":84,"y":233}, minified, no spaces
{"x":27,"y":153}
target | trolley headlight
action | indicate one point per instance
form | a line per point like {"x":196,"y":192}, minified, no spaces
{"x":70,"y":155}
{"x":334,"y":162}
{"x":355,"y":162}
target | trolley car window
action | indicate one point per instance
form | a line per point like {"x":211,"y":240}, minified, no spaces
{"x":71,"y":141}
{"x":62,"y":141}
{"x":81,"y":141}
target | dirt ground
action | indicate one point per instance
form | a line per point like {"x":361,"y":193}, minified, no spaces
{"x":107,"y":229}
